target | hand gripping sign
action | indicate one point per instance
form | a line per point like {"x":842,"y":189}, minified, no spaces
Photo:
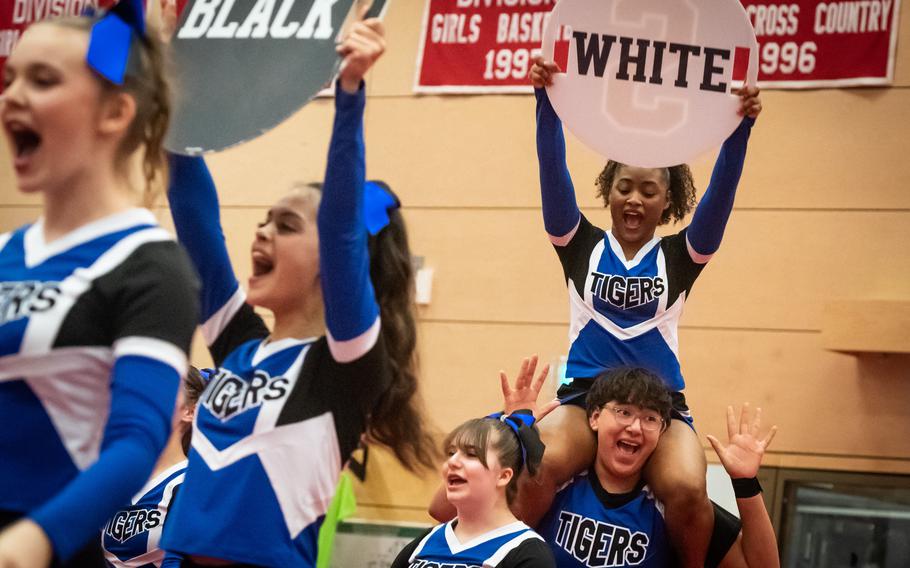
{"x":647,"y":82}
{"x":243,"y":66}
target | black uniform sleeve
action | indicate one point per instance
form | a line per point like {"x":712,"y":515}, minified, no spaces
{"x":244,"y":326}
{"x":151,"y":294}
{"x":726,"y":531}
{"x":348,"y":390}
{"x":575,"y":256}
{"x":680,"y":264}
{"x":401,"y":561}
{"x":532,"y":553}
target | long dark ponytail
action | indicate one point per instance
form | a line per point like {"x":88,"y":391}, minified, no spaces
{"x":397,"y":421}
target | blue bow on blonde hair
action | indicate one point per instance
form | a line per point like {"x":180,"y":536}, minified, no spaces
{"x":111,"y":38}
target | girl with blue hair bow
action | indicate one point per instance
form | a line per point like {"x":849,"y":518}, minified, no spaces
{"x":485,"y":459}
{"x":98,"y":302}
{"x":287,"y":406}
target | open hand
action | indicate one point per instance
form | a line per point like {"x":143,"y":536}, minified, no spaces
{"x":524,"y":394}
{"x":541,"y":73}
{"x":743,"y":454}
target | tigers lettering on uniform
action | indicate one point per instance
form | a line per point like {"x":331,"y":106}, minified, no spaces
{"x":52,"y":298}
{"x":130,"y":538}
{"x":267,"y":449}
{"x":625,"y":311}
{"x":133,"y":521}
{"x":597,"y":543}
{"x":587,"y":527}
{"x":21,"y":299}
{"x":260,"y":419}
{"x":626,"y":292}
{"x":230,"y":395}
{"x":95,"y":327}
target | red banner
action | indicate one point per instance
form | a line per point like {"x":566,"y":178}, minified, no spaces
{"x":17,"y":15}
{"x":811,"y":43}
{"x":484,"y":46}
{"x":479,"y":46}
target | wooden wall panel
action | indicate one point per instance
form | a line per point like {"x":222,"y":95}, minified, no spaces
{"x":13,"y":217}
{"x":902,"y":56}
{"x":772,"y":272}
{"x":480,"y":151}
{"x":823,"y":402}
{"x":394,"y":73}
{"x":807,"y":391}
{"x":812,"y":150}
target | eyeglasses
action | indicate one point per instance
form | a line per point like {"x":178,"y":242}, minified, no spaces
{"x":650,"y":421}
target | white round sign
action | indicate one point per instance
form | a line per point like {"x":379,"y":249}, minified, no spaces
{"x":647,"y":82}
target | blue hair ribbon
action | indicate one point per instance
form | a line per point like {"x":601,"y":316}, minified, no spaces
{"x":110,"y":39}
{"x":521,"y":422}
{"x":378,"y":200}
{"x":206,"y":374}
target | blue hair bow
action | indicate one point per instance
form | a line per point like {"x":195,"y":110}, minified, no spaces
{"x":377,"y":201}
{"x":521,"y":422}
{"x":110,"y":39}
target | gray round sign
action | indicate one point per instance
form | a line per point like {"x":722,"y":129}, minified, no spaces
{"x":243,"y":66}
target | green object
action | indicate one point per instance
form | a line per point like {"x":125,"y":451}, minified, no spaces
{"x":344,"y":504}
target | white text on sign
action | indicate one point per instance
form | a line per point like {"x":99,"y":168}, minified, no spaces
{"x":210,"y":19}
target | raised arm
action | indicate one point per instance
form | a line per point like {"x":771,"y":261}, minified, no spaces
{"x":351,"y":312}
{"x":756,"y":546}
{"x":197,"y":218}
{"x":560,"y":210}
{"x":710,"y":217}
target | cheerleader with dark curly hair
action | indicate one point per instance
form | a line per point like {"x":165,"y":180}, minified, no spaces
{"x":627,"y":288}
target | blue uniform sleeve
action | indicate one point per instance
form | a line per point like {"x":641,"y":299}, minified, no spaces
{"x":197,"y":218}
{"x":351,"y":312}
{"x":172,"y":560}
{"x":143,"y":393}
{"x":710,"y":218}
{"x":557,"y":194}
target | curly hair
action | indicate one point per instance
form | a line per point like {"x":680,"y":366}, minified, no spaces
{"x":681,"y":192}
{"x":630,"y":385}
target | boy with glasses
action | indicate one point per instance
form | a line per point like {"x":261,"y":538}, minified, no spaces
{"x":608,"y":516}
